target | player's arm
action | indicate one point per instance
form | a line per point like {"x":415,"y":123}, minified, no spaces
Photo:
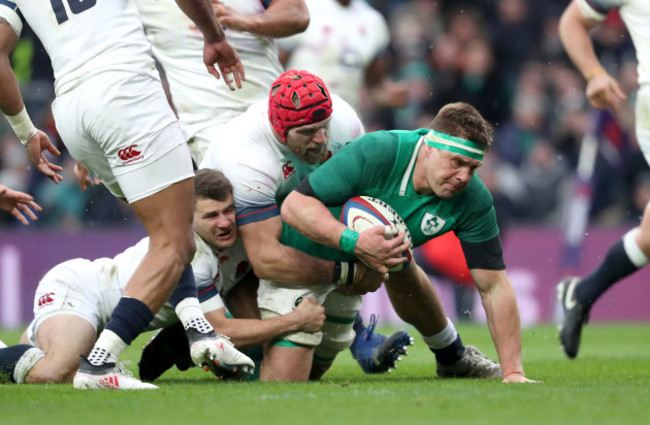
{"x":281,"y":19}
{"x":307,"y":214}
{"x":485,"y":263}
{"x":383,"y":92}
{"x":275,"y":261}
{"x":11,"y":102}
{"x":241,"y":299}
{"x":216,"y":48}
{"x":307,"y":317}
{"x":12,"y":105}
{"x":602,"y":90}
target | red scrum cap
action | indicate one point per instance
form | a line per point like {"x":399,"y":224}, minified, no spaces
{"x":298,"y":98}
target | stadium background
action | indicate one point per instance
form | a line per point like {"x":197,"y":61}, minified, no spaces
{"x":505,"y":58}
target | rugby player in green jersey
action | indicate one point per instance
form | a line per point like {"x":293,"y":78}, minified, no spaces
{"x":428,"y":177}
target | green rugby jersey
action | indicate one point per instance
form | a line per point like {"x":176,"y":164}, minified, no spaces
{"x":380,"y":164}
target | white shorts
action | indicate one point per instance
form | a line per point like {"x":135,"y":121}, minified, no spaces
{"x":642,"y":121}
{"x":73,"y":288}
{"x":91,"y":290}
{"x":276,"y":300}
{"x":120,"y":126}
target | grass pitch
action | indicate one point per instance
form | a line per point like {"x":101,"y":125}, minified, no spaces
{"x":609,"y":383}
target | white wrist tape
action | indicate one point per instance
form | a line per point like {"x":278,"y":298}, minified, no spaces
{"x":22,"y":125}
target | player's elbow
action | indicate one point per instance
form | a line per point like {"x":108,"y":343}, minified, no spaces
{"x":264,"y":268}
{"x":300,"y":18}
{"x":287,"y":209}
{"x":302,"y":22}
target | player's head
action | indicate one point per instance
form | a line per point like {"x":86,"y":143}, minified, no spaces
{"x":300,"y":107}
{"x":454,"y":148}
{"x":214,"y":209}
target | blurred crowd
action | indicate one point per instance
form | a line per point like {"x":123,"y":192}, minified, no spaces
{"x":502,"y":56}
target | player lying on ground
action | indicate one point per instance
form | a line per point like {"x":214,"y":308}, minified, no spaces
{"x":63,"y":330}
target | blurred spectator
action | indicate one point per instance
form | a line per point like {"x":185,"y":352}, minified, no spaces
{"x":504,"y":57}
{"x":346,"y":44}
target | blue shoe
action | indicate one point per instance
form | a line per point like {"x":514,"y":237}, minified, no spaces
{"x":378,"y":353}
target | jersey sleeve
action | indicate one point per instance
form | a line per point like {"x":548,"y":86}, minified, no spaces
{"x":598,"y":9}
{"x":205,"y":266}
{"x":9,"y":12}
{"x":254,"y":176}
{"x":211,"y":304}
{"x":478,"y":223}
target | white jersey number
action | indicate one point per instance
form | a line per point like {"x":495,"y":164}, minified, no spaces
{"x":76,"y":7}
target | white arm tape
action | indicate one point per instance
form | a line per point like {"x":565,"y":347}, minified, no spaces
{"x":22,"y":125}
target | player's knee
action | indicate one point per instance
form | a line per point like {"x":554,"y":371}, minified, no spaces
{"x":187,"y":250}
{"x":177,"y":253}
{"x":337,"y":337}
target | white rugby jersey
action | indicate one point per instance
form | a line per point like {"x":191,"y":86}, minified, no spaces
{"x":114,"y":273}
{"x":85,"y":37}
{"x":262,"y":169}
{"x":199,"y":98}
{"x":636,"y":15}
{"x":339,"y":44}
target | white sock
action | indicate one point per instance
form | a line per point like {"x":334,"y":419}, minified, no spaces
{"x":443,"y":338}
{"x":190,"y":314}
{"x":634,"y":253}
{"x":107,"y":349}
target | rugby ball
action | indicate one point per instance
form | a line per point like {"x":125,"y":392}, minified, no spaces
{"x":363,"y":212}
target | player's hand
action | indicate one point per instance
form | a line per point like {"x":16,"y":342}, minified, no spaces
{"x":84,"y":178}
{"x":603,"y":90}
{"x":365,"y":280}
{"x":224,"y":56}
{"x":309,"y":315}
{"x":229,"y":17}
{"x":380,"y":253}
{"x":391,"y":95}
{"x":39,"y":143}
{"x":18,"y":204}
{"x":518,"y":378}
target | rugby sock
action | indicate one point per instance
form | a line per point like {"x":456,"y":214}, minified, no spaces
{"x":446,"y":345}
{"x":186,"y":287}
{"x":623,"y":258}
{"x":190,"y":314}
{"x":16,"y":361}
{"x":128,"y":320}
{"x":358,"y":327}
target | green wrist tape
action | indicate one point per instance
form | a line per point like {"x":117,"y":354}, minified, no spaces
{"x":348,"y":240}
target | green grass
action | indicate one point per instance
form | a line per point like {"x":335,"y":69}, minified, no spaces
{"x":608,"y":384}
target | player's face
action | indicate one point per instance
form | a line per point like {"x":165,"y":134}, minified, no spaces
{"x":214,"y":222}
{"x":309,"y":142}
{"x":447,"y":173}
